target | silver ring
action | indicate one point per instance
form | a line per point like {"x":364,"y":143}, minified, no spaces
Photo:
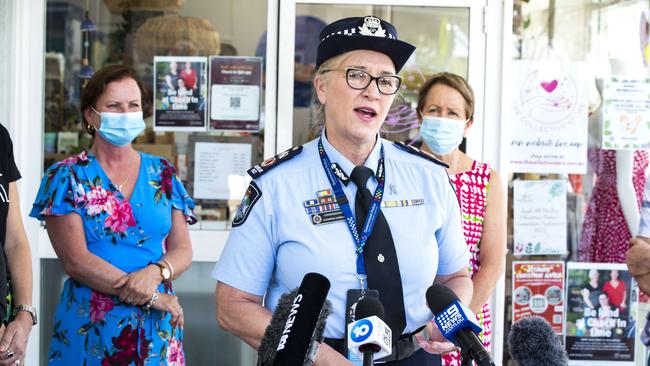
{"x":10,"y":354}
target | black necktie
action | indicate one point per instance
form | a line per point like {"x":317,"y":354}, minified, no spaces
{"x":379,"y":256}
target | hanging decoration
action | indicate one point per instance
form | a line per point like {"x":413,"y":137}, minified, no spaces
{"x":87,"y":27}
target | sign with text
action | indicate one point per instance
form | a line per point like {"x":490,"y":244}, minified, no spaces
{"x":540,"y":217}
{"x":600,"y":316}
{"x":220,"y":170}
{"x":548,"y":133}
{"x":538,"y":289}
{"x":180,"y":91}
{"x":626,"y":113}
{"x":235,"y":93}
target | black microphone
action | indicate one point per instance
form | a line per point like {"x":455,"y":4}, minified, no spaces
{"x":457,"y":323}
{"x":294,"y":336}
{"x":271,"y":338}
{"x":533,"y":342}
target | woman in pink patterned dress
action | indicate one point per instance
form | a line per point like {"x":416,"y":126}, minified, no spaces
{"x":446,"y":109}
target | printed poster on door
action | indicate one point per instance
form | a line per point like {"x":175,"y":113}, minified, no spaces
{"x":626,"y":113}
{"x":548,"y":121}
{"x":538,"y":289}
{"x":235,"y":93}
{"x":540,"y":217}
{"x":600,"y":315}
{"x":180,"y":91}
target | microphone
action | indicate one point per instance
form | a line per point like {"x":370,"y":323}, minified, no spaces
{"x":297,"y":324}
{"x":532,"y":341}
{"x":457,"y":323}
{"x":369,"y":337}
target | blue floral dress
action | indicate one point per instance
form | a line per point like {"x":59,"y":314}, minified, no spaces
{"x":91,"y":328}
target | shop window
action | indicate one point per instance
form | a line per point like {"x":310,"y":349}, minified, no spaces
{"x":133,"y":33}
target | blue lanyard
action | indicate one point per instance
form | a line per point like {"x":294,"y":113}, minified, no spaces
{"x":342,"y":200}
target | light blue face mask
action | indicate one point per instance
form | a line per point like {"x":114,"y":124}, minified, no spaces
{"x":442,"y":135}
{"x":120,"y":129}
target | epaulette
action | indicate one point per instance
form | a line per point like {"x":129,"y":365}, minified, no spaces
{"x":270,"y":163}
{"x":420,"y":153}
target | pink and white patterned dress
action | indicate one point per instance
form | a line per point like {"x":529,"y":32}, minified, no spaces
{"x":605,"y":233}
{"x":471,"y":188}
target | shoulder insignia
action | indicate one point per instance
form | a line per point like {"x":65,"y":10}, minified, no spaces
{"x":415,"y":151}
{"x":270,"y":163}
{"x":252,"y":195}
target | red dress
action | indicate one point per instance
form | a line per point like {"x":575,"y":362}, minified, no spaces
{"x":615,"y":293}
{"x":605,"y":234}
{"x":471,"y":188}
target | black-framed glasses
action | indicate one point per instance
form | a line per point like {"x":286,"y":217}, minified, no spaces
{"x":359,"y":80}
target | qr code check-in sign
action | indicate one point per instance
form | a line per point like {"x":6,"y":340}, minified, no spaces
{"x":235,"y":102}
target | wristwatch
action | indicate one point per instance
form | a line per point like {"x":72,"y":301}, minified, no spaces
{"x":28,"y":308}
{"x":164,"y":271}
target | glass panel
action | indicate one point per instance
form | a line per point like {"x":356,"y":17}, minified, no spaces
{"x":592,"y":32}
{"x":132,"y":32}
{"x":195,"y":290}
{"x":441,"y":36}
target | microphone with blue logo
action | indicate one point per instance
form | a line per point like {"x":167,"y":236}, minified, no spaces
{"x":458,"y":324}
{"x":369,"y":337}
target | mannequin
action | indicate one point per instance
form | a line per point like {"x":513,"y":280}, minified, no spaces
{"x":612,"y":216}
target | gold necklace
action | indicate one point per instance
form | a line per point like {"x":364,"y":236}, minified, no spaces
{"x":119,"y":186}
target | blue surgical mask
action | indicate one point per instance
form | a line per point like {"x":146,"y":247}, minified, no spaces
{"x":120,"y":129}
{"x":442,"y":135}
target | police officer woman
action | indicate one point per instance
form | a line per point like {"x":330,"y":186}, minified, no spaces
{"x":305,"y":208}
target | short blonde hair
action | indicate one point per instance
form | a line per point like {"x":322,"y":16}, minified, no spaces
{"x":318,"y":109}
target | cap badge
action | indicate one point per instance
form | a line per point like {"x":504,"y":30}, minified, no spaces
{"x":372,"y":27}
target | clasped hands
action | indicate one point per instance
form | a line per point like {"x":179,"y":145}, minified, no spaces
{"x":137,"y":288}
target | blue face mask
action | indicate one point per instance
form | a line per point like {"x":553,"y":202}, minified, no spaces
{"x":442,"y":135}
{"x":120,"y":129}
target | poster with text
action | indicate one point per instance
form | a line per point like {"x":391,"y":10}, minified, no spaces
{"x":626,"y":113}
{"x":600,"y":315}
{"x":220,"y":170}
{"x":180,"y":89}
{"x":538,"y":289}
{"x":548,"y":131}
{"x":235,"y":93}
{"x":540,"y":217}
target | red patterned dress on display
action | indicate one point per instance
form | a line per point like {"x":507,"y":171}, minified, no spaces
{"x":605,"y":233}
{"x":471,"y":188}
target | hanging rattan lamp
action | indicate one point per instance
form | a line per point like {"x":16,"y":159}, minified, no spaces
{"x":175,"y":35}
{"x":120,"y":6}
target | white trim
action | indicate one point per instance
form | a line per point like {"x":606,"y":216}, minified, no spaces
{"x":271,"y":98}
{"x":25,"y":123}
{"x":475,"y":77}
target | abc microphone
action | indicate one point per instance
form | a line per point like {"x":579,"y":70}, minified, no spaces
{"x":369,"y":337}
{"x":305,"y":323}
{"x":457,"y":323}
{"x":533,"y":342}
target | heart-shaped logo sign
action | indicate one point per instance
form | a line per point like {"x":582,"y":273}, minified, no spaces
{"x":549,"y":86}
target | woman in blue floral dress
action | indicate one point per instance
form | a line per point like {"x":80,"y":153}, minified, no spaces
{"x":118,"y":221}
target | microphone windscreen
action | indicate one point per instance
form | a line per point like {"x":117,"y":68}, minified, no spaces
{"x":532,"y":341}
{"x":369,"y":306}
{"x":273,"y":332}
{"x":302,"y":320}
{"x":439,"y":297}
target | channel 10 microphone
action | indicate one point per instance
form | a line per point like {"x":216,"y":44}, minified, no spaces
{"x":457,"y":323}
{"x":533,"y":342}
{"x":369,"y":337}
{"x":292,"y":338}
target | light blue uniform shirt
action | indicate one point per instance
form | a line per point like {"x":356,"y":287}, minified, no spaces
{"x":278,"y":243}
